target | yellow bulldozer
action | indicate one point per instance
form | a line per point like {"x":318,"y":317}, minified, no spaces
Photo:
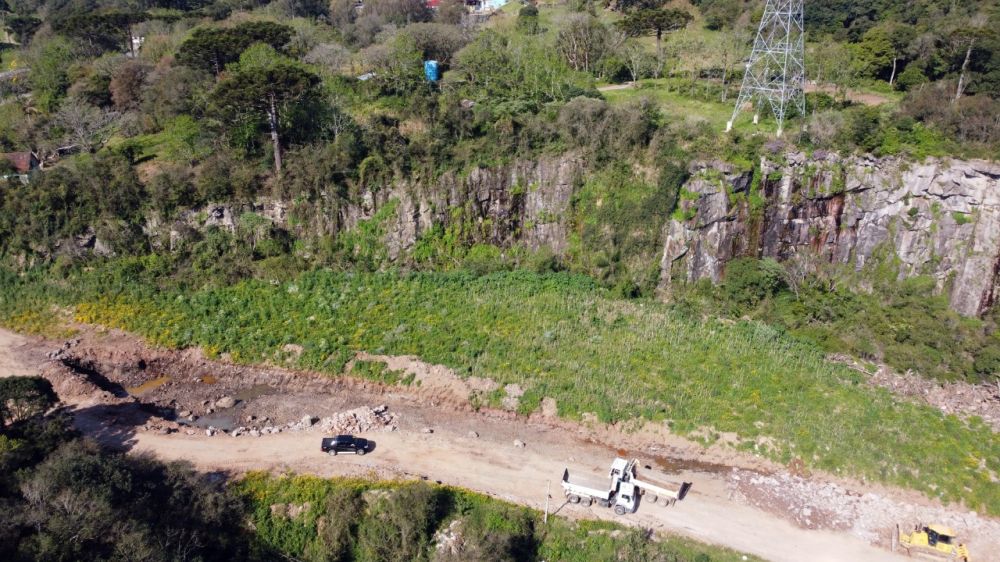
{"x":935,"y":541}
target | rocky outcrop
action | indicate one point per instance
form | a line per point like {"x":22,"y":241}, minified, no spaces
{"x":526,"y":201}
{"x":939,"y":218}
{"x":522,"y":202}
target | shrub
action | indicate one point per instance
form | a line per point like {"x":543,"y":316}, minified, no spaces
{"x":493,"y":532}
{"x":483,"y":259}
{"x":527,"y":20}
{"x":398,"y":524}
{"x":749,"y":281}
{"x":911,"y":77}
{"x":337,"y":527}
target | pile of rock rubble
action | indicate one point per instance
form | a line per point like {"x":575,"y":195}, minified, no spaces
{"x":358,"y":420}
{"x":826,"y":505}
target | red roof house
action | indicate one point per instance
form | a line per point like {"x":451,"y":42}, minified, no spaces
{"x":23,"y":162}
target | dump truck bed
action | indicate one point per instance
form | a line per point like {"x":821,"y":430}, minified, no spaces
{"x":662,"y":489}
{"x":584,"y":484}
{"x":649,"y":483}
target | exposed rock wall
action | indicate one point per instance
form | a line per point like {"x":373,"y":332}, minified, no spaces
{"x":525,"y":202}
{"x":938,"y":218}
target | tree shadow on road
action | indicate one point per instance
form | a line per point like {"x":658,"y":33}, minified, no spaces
{"x":112,"y":425}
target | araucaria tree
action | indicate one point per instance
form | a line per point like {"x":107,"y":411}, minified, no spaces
{"x":654,"y":21}
{"x":212,"y":48}
{"x":265,"y":94}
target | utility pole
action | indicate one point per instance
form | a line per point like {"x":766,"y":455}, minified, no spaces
{"x":548,"y":484}
{"x":775,"y":72}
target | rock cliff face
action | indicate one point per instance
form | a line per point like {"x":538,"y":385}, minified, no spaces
{"x":939,"y":218}
{"x":525,"y":202}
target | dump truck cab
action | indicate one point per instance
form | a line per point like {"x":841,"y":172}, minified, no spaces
{"x":625,"y":498}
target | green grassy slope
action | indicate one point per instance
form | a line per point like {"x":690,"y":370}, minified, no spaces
{"x":560,"y":336}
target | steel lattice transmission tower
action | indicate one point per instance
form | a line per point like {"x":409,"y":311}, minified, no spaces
{"x":775,"y":73}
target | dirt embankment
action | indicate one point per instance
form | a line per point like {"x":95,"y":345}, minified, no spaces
{"x":234,"y":418}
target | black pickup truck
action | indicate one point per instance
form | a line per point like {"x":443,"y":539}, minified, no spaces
{"x":344,"y":444}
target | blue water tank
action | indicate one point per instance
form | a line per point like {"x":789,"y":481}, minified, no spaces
{"x":432,"y":71}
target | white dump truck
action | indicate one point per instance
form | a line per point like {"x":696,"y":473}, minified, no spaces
{"x":614,"y":493}
{"x":621,"y":489}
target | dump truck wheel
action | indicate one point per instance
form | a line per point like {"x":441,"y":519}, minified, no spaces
{"x":573,"y":498}
{"x":651,"y":497}
{"x":586,"y":502}
{"x":619,"y":510}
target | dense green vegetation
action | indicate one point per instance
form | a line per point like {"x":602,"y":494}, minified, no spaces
{"x":225,"y":102}
{"x":902,"y":323}
{"x":559,"y":336}
{"x":64,"y":498}
{"x":364,"y":520}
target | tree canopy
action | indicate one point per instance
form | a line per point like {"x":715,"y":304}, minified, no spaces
{"x":655,"y":21}
{"x":212,"y":48}
{"x":24,"y":397}
{"x":263,"y":90}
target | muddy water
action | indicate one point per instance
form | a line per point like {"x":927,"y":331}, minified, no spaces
{"x":668,"y":465}
{"x":148,"y":385}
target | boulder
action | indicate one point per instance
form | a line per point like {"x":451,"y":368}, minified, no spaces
{"x":225,"y":402}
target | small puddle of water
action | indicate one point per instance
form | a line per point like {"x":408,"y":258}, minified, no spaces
{"x":148,"y":385}
{"x":226,"y":419}
{"x":230,"y":418}
{"x":671,"y":465}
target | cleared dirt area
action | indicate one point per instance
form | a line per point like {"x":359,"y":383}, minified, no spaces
{"x":865,"y":98}
{"x":180,"y":405}
{"x":10,"y":365}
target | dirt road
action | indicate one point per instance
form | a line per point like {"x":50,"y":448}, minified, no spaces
{"x":430,"y":438}
{"x":521,"y":475}
{"x":612,"y":87}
